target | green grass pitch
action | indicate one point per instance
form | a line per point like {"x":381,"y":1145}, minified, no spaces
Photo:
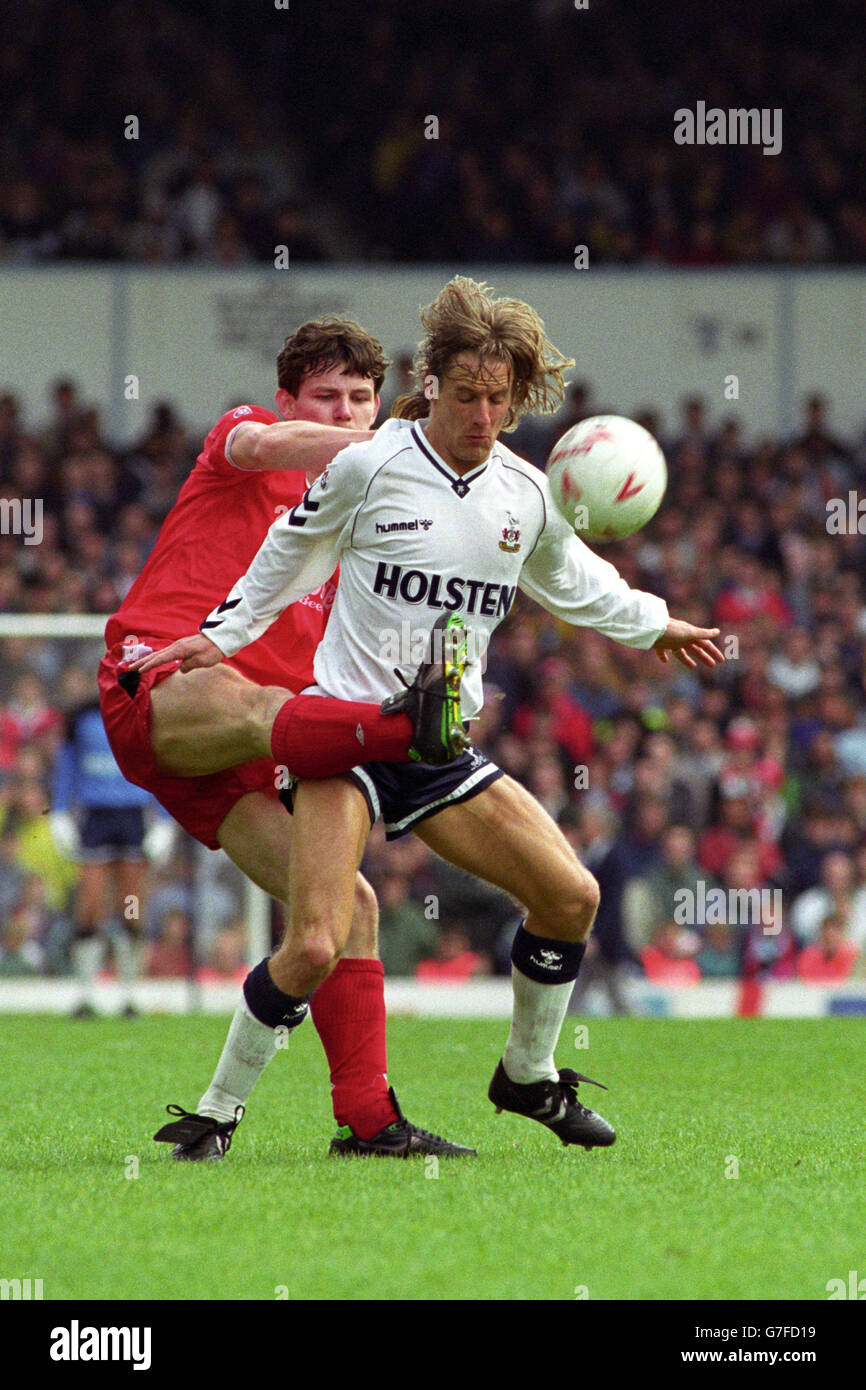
{"x":655,"y":1217}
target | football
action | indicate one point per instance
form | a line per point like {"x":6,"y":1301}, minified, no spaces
{"x":608,"y":477}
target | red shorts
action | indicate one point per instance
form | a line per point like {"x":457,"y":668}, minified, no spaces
{"x":199,"y":804}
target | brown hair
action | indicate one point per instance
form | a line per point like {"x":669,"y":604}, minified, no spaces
{"x":323,"y":344}
{"x":464,"y":317}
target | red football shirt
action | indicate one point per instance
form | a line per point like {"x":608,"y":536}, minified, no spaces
{"x":206,"y":543}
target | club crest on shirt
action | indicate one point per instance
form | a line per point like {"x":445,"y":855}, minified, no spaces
{"x":510,"y":534}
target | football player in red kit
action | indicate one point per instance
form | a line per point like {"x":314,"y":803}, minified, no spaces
{"x":217,"y":746}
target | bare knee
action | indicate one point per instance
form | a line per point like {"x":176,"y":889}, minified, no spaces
{"x":318,"y":952}
{"x":304,"y":960}
{"x":590,"y":897}
{"x":570,"y":914}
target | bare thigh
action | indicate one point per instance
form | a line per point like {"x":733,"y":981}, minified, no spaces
{"x":210,"y":720}
{"x":505,"y":837}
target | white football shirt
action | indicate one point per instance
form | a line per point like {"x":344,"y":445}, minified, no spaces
{"x":414,"y":540}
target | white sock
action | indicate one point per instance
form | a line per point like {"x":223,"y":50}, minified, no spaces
{"x":539,"y":1010}
{"x":249,"y":1047}
{"x":86,"y":956}
{"x":129,"y":956}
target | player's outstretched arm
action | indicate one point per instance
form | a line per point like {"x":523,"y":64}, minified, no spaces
{"x":299,"y":553}
{"x":193,"y":652}
{"x":296,"y":444}
{"x":688,"y":644}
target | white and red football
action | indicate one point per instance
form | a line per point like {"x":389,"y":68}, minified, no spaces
{"x":608,"y":477}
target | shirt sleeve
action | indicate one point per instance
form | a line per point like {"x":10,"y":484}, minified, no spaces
{"x":215,"y":457}
{"x":301,"y":550}
{"x":574,"y":584}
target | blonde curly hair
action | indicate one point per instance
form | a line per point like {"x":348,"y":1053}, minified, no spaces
{"x":464,"y":317}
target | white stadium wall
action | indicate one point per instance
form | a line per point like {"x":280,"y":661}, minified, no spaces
{"x":204,"y":339}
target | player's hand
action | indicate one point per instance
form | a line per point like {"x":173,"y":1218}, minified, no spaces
{"x":192,"y":652}
{"x":688,"y":644}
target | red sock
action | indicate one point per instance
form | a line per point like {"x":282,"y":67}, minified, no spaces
{"x":349,"y":1013}
{"x":314,"y":736}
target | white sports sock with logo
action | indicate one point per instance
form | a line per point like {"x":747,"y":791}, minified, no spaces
{"x":539,"y":1010}
{"x":249,"y":1047}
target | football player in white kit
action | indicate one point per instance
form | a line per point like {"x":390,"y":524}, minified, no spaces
{"x":436,"y":522}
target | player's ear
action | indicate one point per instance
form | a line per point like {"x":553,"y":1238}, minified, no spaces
{"x":286,"y":404}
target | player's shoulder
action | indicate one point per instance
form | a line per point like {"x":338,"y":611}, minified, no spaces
{"x":240,"y":415}
{"x":523,"y":475}
{"x":213,"y":454}
{"x":365,"y":460}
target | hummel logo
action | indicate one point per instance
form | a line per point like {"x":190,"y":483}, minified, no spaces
{"x":423,"y":522}
{"x":551,"y":960}
{"x":359,"y":734}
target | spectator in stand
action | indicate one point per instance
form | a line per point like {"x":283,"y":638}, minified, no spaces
{"x":822,"y":828}
{"x":512,"y":663}
{"x":839,"y":895}
{"x":794,"y":669}
{"x":650,"y":900}
{"x":817,"y":443}
{"x":27,"y":717}
{"x":855,"y":804}
{"x":737,"y":828}
{"x":399,"y":382}
{"x":547,"y":783}
{"x":634,"y":852}
{"x":407,"y":935}
{"x":21,"y":952}
{"x":669,"y":959}
{"x":830,"y":959}
{"x":454,"y":961}
{"x":24,"y":818}
{"x":720,"y":953}
{"x":170,"y":955}
{"x":752,"y":595}
{"x":227,"y":957}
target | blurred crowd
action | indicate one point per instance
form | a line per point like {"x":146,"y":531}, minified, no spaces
{"x":678,"y":788}
{"x":148,"y":134}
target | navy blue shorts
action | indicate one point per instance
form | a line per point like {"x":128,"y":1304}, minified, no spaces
{"x":111,"y":832}
{"x":405,"y":793}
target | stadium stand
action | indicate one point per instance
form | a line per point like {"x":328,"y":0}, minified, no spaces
{"x":336,"y":158}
